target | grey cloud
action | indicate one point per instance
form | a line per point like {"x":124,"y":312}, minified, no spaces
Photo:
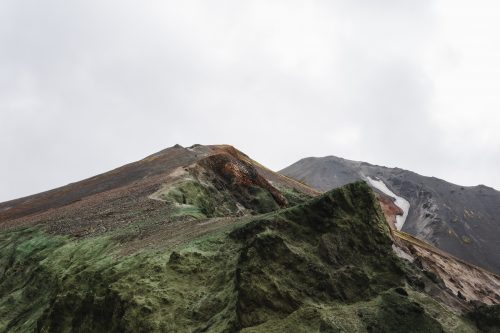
{"x":86,"y":86}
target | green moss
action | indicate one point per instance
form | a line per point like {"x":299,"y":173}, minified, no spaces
{"x":59,"y":284}
{"x":487,"y":318}
{"x":188,"y":210}
{"x":196,"y":199}
{"x":450,"y":321}
{"x":261,"y":200}
{"x":388,"y":312}
{"x":323,"y":266}
{"x":327,"y":250}
{"x":37,"y":265}
{"x":293,"y":196}
{"x":201,"y":199}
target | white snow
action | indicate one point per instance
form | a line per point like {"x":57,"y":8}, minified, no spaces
{"x":400,"y":202}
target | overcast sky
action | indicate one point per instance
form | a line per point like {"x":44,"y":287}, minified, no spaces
{"x":86,"y":86}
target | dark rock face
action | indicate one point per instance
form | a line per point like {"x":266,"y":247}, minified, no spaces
{"x":464,"y":221}
{"x":239,"y":175}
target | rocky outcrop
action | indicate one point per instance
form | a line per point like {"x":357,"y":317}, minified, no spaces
{"x":235,"y":172}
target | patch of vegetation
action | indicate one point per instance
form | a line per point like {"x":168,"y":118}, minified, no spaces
{"x":35,"y":265}
{"x":322,"y":266}
{"x":199,"y":199}
{"x":487,"y":318}
{"x":56,"y":284}
{"x":293,"y":196}
{"x":193,"y":198}
{"x":261,"y":201}
{"x":193,"y":211}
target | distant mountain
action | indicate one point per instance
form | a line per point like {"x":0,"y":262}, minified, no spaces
{"x":205,"y":239}
{"x":463,"y":221}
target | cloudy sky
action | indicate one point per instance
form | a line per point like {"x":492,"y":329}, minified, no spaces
{"x":86,"y":86}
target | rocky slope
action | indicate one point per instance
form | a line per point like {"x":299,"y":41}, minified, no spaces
{"x":215,"y":242}
{"x":122,"y":196}
{"x":465,"y":280}
{"x":463,"y":221}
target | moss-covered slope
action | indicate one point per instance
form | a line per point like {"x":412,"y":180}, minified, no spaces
{"x":221,"y":185}
{"x":322,"y":266}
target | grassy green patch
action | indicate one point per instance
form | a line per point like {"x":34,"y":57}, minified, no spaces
{"x":322,"y":266}
{"x":203,"y":199}
{"x":60,"y":284}
{"x":293,"y":196}
{"x":196,"y":199}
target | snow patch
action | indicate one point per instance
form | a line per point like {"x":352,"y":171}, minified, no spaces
{"x":400,"y":202}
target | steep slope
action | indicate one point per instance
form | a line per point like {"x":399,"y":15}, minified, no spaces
{"x":463,"y":221}
{"x":322,"y":266}
{"x":467,"y":281}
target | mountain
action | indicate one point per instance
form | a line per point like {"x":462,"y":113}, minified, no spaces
{"x":463,"y":221}
{"x":125,"y":193}
{"x":204,"y":239}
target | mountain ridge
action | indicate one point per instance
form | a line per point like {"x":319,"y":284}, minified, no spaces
{"x":460,"y":220}
{"x":480,"y":185}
